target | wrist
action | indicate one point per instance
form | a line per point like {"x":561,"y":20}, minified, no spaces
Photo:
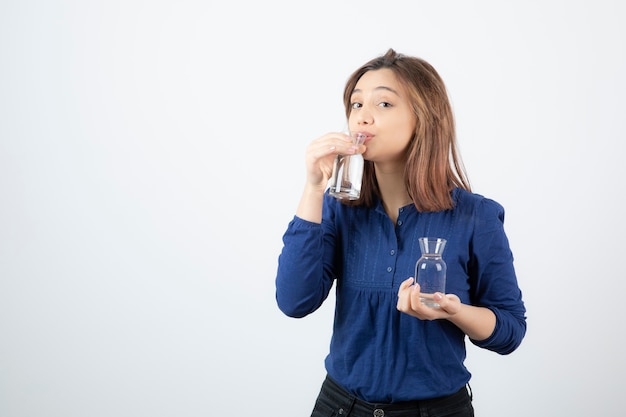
{"x":311,"y":202}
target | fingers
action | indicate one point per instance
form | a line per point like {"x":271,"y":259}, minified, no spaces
{"x":404,"y":298}
{"x":409,"y":302}
{"x":450,"y":303}
{"x":332,"y":144}
{"x":320,"y":156}
{"x":406,"y":284}
{"x":439,"y":299}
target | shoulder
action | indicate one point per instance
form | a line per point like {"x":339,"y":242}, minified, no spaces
{"x":477,"y":205}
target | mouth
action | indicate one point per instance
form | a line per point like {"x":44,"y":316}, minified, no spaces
{"x":363,"y":137}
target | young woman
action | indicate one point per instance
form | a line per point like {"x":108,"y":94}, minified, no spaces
{"x":391,"y":355}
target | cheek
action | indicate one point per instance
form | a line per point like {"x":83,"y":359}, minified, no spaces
{"x":352,"y":121}
{"x":408,"y":128}
{"x":406,"y":141}
{"x":401,"y":142}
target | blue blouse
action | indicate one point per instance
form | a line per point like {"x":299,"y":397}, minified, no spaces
{"x":376,"y":352}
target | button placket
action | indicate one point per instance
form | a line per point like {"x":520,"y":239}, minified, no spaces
{"x":392,"y":253}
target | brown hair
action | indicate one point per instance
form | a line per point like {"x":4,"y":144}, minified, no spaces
{"x":433,"y":164}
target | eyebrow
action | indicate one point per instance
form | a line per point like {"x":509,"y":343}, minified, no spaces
{"x":382,"y":87}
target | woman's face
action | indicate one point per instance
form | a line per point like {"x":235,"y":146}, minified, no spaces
{"x":381,"y":109}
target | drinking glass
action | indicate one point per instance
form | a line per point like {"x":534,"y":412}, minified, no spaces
{"x":345,"y":181}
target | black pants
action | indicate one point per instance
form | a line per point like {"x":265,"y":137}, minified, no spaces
{"x":334,"y":401}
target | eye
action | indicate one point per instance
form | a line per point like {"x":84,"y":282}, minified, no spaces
{"x":384,"y":104}
{"x":356,"y":105}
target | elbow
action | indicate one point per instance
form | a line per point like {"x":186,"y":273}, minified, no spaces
{"x":507,"y":336}
{"x":519,"y":336}
{"x":292,"y":307}
{"x":510,"y":346}
{"x":290,"y":310}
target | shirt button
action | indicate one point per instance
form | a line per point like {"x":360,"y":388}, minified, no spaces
{"x":401,"y":209}
{"x":399,"y":222}
{"x":389,"y":269}
{"x":341,"y":411}
{"x":392,"y":252}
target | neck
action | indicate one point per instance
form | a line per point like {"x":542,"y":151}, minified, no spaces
{"x":392,"y":190}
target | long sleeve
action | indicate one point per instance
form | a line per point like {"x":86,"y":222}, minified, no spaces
{"x":495,"y":285}
{"x":304,"y":276}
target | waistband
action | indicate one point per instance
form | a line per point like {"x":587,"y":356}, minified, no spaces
{"x":339,"y":395}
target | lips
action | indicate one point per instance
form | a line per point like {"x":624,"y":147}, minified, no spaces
{"x":368,"y":136}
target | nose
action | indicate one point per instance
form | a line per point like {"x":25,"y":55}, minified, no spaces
{"x":364,"y":116}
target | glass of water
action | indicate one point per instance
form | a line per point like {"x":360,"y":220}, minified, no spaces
{"x":345,"y":181}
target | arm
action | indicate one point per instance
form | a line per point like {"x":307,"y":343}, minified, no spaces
{"x":476,"y":322}
{"x":302,"y":280}
{"x":495,"y":320}
{"x":494,"y":281}
{"x":304,"y":276}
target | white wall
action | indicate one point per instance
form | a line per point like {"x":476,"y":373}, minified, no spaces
{"x":151,"y":155}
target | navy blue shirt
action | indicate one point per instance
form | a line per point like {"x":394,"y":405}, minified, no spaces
{"x":378,"y":353}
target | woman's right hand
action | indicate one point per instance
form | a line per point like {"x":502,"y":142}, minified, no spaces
{"x":320,"y":157}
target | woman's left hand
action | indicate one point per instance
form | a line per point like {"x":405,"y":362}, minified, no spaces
{"x":409,"y":302}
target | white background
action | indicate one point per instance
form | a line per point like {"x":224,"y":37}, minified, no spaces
{"x":151,"y":156}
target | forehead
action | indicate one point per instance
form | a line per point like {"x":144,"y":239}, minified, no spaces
{"x":375,"y":79}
